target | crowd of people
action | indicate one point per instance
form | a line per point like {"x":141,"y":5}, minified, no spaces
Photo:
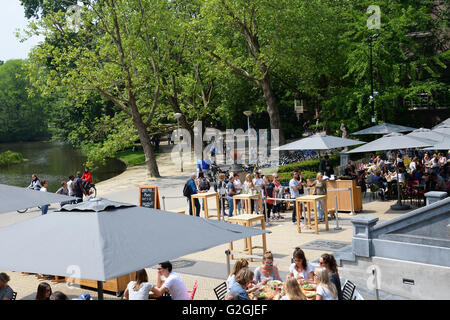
{"x":78,"y":187}
{"x":416,"y":169}
{"x":324,"y":279}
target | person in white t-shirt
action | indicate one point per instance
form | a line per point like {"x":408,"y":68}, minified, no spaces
{"x":325,"y":289}
{"x":44,"y":208}
{"x":173,"y":285}
{"x":301,"y":270}
{"x":139,"y":289}
{"x":70,"y":187}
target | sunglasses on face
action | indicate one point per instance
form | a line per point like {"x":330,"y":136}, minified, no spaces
{"x":269,"y":264}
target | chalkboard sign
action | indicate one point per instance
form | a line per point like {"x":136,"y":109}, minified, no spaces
{"x":149,"y":198}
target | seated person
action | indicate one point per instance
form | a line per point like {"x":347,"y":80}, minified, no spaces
{"x":301,"y":269}
{"x":267,"y":271}
{"x":139,"y":289}
{"x":244,"y":280}
{"x":173,"y":285}
{"x":240,"y":264}
{"x":6,"y":293}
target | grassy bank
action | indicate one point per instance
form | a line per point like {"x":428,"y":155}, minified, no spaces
{"x":132,"y":158}
{"x":9,"y":157}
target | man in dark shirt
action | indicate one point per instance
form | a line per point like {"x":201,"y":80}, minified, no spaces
{"x":79,"y":190}
{"x":193,"y":190}
{"x":323,"y":164}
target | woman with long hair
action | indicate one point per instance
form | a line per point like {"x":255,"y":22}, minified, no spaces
{"x":329,"y":262}
{"x":139,"y":289}
{"x":44,"y":291}
{"x":325,"y":289}
{"x":240,"y":264}
{"x":293,"y":291}
{"x":267,"y":271}
{"x":301,"y":269}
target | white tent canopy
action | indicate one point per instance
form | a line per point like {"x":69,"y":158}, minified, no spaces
{"x":429,"y":134}
{"x":319,"y":142}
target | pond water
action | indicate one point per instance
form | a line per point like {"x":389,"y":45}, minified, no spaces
{"x":51,"y":161}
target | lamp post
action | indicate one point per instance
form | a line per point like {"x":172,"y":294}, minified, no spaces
{"x":248,"y":114}
{"x":178,"y":116}
{"x":370,"y":41}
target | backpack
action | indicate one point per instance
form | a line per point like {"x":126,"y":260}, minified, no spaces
{"x":186,"y":190}
{"x":204,"y":185}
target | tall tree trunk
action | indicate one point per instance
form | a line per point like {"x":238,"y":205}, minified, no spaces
{"x":272,"y":106}
{"x":150,"y":160}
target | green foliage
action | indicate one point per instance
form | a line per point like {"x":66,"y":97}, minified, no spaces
{"x":309,"y":165}
{"x":10,"y":157}
{"x":22,"y":117}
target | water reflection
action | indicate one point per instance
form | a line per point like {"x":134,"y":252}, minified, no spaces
{"x":51,"y":161}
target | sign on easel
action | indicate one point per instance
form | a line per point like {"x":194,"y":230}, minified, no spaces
{"x":149,"y":198}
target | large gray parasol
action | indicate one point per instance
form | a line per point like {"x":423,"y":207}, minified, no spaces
{"x":111,"y":240}
{"x":384,"y":128}
{"x":443,"y":123}
{"x":15,"y":198}
{"x":319,"y":142}
{"x":395,"y":141}
{"x":429,"y":134}
{"x":444,"y":128}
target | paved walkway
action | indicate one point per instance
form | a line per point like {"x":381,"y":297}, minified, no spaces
{"x":208,"y":266}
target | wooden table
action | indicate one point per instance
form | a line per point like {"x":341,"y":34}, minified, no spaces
{"x":114,"y":285}
{"x":248,"y":220}
{"x":205,"y":197}
{"x":270,"y":291}
{"x":311,"y":201}
{"x":246,"y":199}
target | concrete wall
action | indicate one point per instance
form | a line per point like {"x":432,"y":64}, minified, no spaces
{"x":403,"y":278}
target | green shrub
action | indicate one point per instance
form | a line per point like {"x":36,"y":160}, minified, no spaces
{"x":310,"y":165}
{"x":9,"y":157}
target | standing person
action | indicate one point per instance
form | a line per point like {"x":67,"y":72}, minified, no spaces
{"x":320,"y":190}
{"x":191,"y":188}
{"x":78,"y":188}
{"x":269,"y":192}
{"x":44,"y":291}
{"x":64,"y":191}
{"x":203,"y":186}
{"x":173,"y":285}
{"x":301,"y":269}
{"x":329,"y":262}
{"x":240,"y":264}
{"x":70,"y":188}
{"x":222,"y":189}
{"x":325,"y":289}
{"x":258,"y":182}
{"x":6,"y":293}
{"x":249,"y":188}
{"x":231,"y":191}
{"x":324,"y":163}
{"x":238,"y":185}
{"x":35,"y":183}
{"x":87,"y":175}
{"x":44,"y":208}
{"x":278,"y":194}
{"x":139,"y":289}
{"x":294,"y":187}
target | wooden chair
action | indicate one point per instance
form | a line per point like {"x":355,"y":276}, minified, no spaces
{"x":221,"y":291}
{"x":14,"y":295}
{"x":192,"y":292}
{"x":348,"y":290}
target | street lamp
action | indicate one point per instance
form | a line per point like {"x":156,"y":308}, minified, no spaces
{"x":248,"y":114}
{"x":370,"y":41}
{"x":178,"y":116}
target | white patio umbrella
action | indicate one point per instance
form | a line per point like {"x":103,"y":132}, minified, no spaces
{"x":15,"y":198}
{"x":384,"y":128}
{"x":319,"y":142}
{"x":444,"y":128}
{"x":394,"y":141}
{"x":429,"y":134}
{"x":443,"y":123}
{"x":104,"y":240}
